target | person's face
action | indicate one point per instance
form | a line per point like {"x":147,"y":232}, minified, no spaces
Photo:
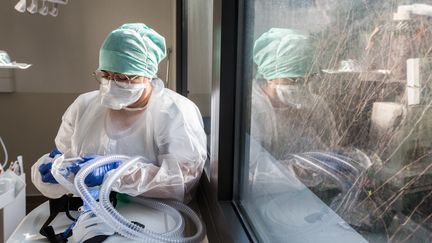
{"x":270,"y":86}
{"x":124,"y":81}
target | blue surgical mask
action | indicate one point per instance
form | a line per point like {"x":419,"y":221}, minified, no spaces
{"x":117,"y":98}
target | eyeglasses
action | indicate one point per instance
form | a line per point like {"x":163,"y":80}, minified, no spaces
{"x":121,"y":80}
{"x":287,"y":81}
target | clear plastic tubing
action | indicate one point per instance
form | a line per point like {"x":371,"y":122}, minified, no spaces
{"x":322,"y":168}
{"x":5,"y":153}
{"x":122,"y":226}
{"x":109,"y":209}
{"x":61,"y":174}
{"x":329,"y":155}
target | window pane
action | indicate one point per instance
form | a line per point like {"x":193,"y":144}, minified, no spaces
{"x":338,"y":120}
{"x":199,"y":57}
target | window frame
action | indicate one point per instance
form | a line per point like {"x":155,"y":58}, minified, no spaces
{"x":218,"y":196}
{"x":181,"y":47}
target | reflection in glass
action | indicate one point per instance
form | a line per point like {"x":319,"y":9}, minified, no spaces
{"x":340,"y":142}
{"x":286,"y":117}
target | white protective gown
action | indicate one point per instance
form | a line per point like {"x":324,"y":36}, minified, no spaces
{"x":277,"y":132}
{"x":169,"y":132}
{"x":308,"y":126}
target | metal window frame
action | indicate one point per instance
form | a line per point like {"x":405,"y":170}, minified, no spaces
{"x":181,"y":47}
{"x":218,"y":197}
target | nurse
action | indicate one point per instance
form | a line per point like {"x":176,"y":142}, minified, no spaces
{"x":131,"y":114}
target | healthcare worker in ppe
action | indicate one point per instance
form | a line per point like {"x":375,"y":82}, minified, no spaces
{"x":131,"y":114}
{"x":286,"y":117}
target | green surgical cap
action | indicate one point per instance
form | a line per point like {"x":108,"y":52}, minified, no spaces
{"x":283,"y":53}
{"x":132,"y":49}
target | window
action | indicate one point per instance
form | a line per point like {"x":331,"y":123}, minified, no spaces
{"x":199,"y":57}
{"x":337,"y":120}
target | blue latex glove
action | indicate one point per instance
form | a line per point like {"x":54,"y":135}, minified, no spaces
{"x":54,"y":152}
{"x":78,"y":164}
{"x":45,"y":169}
{"x":96,"y":177}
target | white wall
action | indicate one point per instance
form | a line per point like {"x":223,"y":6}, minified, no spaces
{"x":64,"y":52}
{"x":64,"y":49}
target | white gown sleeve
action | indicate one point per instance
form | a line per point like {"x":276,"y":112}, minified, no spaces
{"x":181,"y":144}
{"x":63,"y":144}
{"x":47,"y":189}
{"x":63,"y":139}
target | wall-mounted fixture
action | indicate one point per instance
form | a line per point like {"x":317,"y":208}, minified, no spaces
{"x":43,"y":7}
{"x":7,"y":73}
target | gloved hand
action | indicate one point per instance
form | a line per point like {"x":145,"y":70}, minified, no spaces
{"x":45,"y":169}
{"x":78,"y":164}
{"x":96,"y":177}
{"x":54,"y":152}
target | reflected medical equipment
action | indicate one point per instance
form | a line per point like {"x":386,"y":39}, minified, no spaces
{"x":105,"y":212}
{"x":346,"y":171}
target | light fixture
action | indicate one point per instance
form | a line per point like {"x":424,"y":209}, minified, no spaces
{"x":43,"y":7}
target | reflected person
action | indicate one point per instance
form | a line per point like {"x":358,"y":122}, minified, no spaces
{"x":286,"y":117}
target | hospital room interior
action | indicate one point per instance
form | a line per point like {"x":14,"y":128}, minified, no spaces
{"x":216,"y":121}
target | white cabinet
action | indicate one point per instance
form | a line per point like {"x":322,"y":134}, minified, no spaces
{"x":12,"y":208}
